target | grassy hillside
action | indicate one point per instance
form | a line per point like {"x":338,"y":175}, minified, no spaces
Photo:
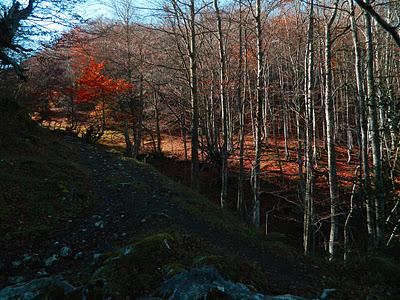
{"x":41,"y":182}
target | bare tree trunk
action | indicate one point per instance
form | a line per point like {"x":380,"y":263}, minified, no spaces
{"x":194,"y":98}
{"x":157,"y":117}
{"x":308,"y":235}
{"x":139,"y":121}
{"x":128,"y":143}
{"x":375,"y":140}
{"x":252,"y":113}
{"x":394,"y":232}
{"x":224,"y":116}
{"x":363,"y":127}
{"x":330,"y":139}
{"x":285,"y":130}
{"x":368,"y":9}
{"x":241,"y":95}
{"x":346,"y":229}
{"x":259,"y":118}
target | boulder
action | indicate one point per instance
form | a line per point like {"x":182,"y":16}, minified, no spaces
{"x":198,"y":283}
{"x":206,"y":282}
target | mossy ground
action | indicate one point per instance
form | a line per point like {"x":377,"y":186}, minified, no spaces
{"x":159,"y":256}
{"x":368,"y":275}
{"x":41,"y":182}
{"x":201,"y":208}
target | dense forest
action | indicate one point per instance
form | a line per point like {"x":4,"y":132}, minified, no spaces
{"x":281,"y":114}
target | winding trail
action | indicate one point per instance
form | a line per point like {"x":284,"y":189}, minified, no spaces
{"x":133,"y":200}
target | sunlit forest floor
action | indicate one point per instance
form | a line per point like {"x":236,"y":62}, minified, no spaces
{"x":280,"y":178}
{"x":280,"y":197}
{"x":60,"y":192}
{"x":57,"y":185}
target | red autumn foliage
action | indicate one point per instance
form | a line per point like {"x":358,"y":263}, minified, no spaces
{"x":93,"y":85}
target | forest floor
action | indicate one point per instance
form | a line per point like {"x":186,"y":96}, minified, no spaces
{"x":279,"y":186}
{"x":133,"y":199}
{"x":128,"y":200}
{"x":59,"y":192}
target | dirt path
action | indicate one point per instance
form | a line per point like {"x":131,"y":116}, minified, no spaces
{"x":133,"y":201}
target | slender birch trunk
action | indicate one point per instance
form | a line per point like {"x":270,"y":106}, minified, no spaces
{"x":330,"y":139}
{"x":241,"y":95}
{"x":157,"y":117}
{"x":308,"y":234}
{"x":194,"y":98}
{"x":259,"y":118}
{"x":363,"y":126}
{"x":224,"y":115}
{"x":375,"y":138}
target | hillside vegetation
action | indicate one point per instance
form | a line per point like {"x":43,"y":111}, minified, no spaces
{"x":41,"y":182}
{"x":47,"y":182}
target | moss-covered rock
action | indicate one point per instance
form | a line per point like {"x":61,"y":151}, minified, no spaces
{"x":158,"y":257}
{"x":43,"y":288}
{"x":207,"y":283}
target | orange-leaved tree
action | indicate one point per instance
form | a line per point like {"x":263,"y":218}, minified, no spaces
{"x":98,"y":91}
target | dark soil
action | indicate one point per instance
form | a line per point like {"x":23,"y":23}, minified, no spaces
{"x":135,"y":200}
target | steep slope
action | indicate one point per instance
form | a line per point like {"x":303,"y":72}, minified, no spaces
{"x":41,"y":182}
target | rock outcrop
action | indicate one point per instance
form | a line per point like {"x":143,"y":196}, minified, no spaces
{"x":43,"y":288}
{"x":207,"y":283}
